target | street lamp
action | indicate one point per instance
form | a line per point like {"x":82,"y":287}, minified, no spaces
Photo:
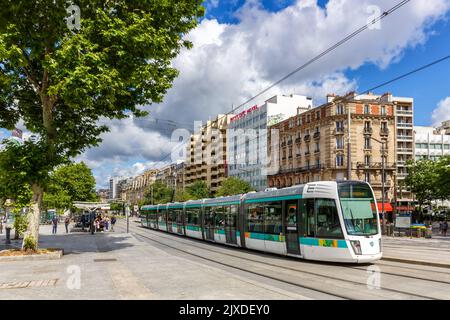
{"x":383,"y":182}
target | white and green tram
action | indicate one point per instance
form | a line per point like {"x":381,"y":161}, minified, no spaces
{"x":324,"y":221}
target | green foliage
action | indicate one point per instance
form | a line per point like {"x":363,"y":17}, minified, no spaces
{"x":429,"y":180}
{"x":232,"y":186}
{"x":20,"y":224}
{"x":63,"y":84}
{"x":69,"y":183}
{"x":198,"y":190}
{"x":29,"y":243}
{"x":118,"y":207}
{"x":158,"y":193}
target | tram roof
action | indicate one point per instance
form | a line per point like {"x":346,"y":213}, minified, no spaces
{"x":285,"y":192}
{"x":236,"y":198}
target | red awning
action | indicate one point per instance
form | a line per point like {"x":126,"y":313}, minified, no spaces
{"x":387,"y":207}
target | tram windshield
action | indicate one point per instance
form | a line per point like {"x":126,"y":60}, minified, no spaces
{"x":358,"y":208}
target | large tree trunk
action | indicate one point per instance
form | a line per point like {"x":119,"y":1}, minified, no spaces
{"x":34,"y":215}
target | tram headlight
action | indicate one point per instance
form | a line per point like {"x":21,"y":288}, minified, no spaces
{"x":356,"y":245}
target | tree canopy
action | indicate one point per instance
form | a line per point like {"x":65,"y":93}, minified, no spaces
{"x":69,"y":183}
{"x":158,"y":193}
{"x":63,"y":83}
{"x":198,"y":190}
{"x":429,"y":180}
{"x":232,"y":186}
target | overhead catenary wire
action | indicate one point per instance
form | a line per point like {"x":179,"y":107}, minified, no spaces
{"x":308,"y":63}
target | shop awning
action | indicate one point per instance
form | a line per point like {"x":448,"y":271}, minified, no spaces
{"x":387,"y":207}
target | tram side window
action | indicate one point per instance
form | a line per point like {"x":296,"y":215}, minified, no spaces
{"x":162,"y":216}
{"x":328,"y":224}
{"x":209,"y":216}
{"x":310,"y":218}
{"x":231,"y":215}
{"x":255,"y":218}
{"x":179,"y":215}
{"x":219,"y":217}
{"x":193,"y":216}
{"x":272,"y":219}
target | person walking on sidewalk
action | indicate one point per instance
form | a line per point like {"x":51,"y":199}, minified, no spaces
{"x":55,"y":224}
{"x":444,"y":228}
{"x":66,"y":223}
{"x":1,"y":225}
{"x":113,"y":222}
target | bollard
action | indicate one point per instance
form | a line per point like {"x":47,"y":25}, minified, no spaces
{"x":8,"y":235}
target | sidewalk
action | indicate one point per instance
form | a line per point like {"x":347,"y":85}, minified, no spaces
{"x":115,"y":265}
{"x":430,"y":252}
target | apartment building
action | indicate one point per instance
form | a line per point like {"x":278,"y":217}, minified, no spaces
{"x":431,"y":143}
{"x":173,"y":175}
{"x":247,"y":136}
{"x":134,"y":190}
{"x":346,"y":138}
{"x":207,"y":154}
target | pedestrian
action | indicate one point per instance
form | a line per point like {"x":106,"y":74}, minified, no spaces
{"x":113,"y":222}
{"x":66,"y":223}
{"x":83,"y":221}
{"x":106,"y":223}
{"x":55,"y":224}
{"x":444,"y":228}
{"x":440,"y":227}
{"x":1,"y":225}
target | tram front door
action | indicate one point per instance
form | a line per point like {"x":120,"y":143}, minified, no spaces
{"x":231,"y":223}
{"x":292,"y":229}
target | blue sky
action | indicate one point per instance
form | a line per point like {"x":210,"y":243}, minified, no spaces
{"x":231,"y":61}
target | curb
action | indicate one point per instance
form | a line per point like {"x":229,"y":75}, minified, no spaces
{"x":422,"y":263}
{"x":35,"y":257}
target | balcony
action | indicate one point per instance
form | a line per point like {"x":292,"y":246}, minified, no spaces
{"x":404,"y":150}
{"x":369,"y":148}
{"x":283,"y":144}
{"x":404,"y":125}
{"x":405,"y":138}
{"x":316,"y":151}
{"x":338,"y":131}
{"x":384,"y":131}
{"x":307,"y":153}
{"x":307,"y":138}
{"x":316,"y":135}
{"x":405,"y":112}
{"x":375,"y":166}
{"x":289,"y":143}
{"x":298,"y":155}
{"x":368,"y":130}
{"x":298,"y":140}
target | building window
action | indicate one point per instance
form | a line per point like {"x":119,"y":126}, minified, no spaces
{"x":340,"y":143}
{"x":367,"y":143}
{"x":367,"y":160}
{"x":339,"y":160}
{"x":339,"y":126}
{"x":383,"y":110}
{"x":366,"y":109}
{"x":367,"y":176}
{"x":318,"y":115}
{"x":340,"y":109}
{"x":308,"y":118}
{"x":317,"y":147}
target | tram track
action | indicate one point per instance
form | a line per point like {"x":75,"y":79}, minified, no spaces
{"x":265,"y":263}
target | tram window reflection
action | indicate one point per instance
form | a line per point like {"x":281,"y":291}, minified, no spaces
{"x":272,"y":219}
{"x":255,"y":218}
{"x":310,"y":218}
{"x":328,"y":224}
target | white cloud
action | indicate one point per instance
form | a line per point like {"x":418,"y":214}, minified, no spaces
{"x":441,"y":113}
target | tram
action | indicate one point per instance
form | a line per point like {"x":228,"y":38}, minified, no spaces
{"x":323,"y":221}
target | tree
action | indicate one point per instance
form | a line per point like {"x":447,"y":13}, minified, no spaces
{"x":69,"y":183}
{"x":443,"y":178}
{"x":422,"y":178}
{"x":232,"y":186}
{"x":198,"y":190}
{"x":62,"y":82}
{"x":158,"y":193}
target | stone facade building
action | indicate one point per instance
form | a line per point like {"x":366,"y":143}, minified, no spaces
{"x":315,"y":144}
